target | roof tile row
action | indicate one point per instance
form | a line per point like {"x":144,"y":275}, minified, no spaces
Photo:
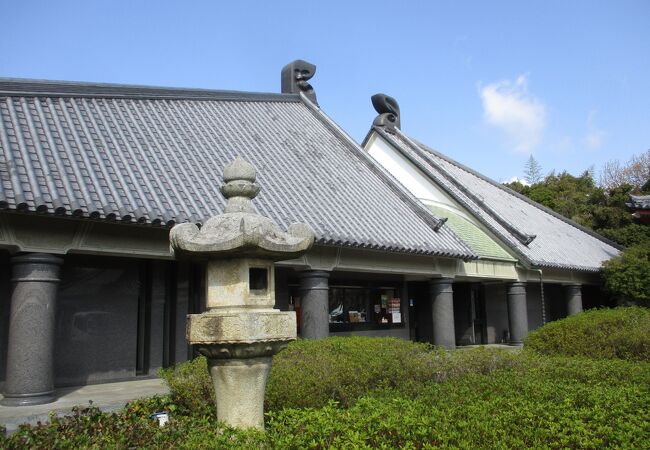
{"x":113,"y":153}
{"x":558,"y":242}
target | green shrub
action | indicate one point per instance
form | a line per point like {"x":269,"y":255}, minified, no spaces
{"x":190,"y":386}
{"x":627,"y":275}
{"x":87,"y":427}
{"x":343,"y":369}
{"x":311,"y":373}
{"x":538,"y":403}
{"x":622,"y":333}
{"x":132,"y":427}
{"x":506,"y":400}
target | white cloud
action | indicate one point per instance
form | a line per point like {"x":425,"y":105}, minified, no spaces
{"x":595,"y":137}
{"x":516,"y":178}
{"x":509,"y":106}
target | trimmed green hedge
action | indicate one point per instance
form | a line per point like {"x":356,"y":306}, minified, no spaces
{"x":539,"y":407}
{"x":387,"y":393}
{"x":622,"y":333}
{"x":311,"y":373}
{"x":539,"y":402}
{"x":341,"y":369}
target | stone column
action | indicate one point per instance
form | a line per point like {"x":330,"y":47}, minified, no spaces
{"x":442,"y":312}
{"x":314,"y":314}
{"x":517,"y":312}
{"x":573,"y":296}
{"x":30,"y":353}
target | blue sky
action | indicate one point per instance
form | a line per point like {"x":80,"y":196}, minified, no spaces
{"x":487,"y":83}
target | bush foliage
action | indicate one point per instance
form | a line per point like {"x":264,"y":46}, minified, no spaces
{"x":190,"y":386}
{"x":539,"y":406}
{"x":311,"y":373}
{"x":622,"y":333}
{"x":521,"y":400}
{"x":627,"y":276}
{"x":341,"y":369}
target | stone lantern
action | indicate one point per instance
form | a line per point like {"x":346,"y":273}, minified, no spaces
{"x":240,"y":331}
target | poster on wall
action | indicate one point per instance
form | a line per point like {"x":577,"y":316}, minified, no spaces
{"x":394,"y":310}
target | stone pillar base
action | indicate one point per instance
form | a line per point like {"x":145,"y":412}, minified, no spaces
{"x":38,"y":398}
{"x":239,"y":386}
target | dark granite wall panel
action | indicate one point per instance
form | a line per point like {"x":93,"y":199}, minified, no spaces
{"x":96,"y":329}
{"x":534,"y":305}
{"x":281,"y":289}
{"x":5,"y":303}
{"x":423,"y":322}
{"x":556,"y":304}
{"x":595,"y":296}
{"x":462,"y":313}
{"x":197,"y":291}
{"x":408,"y":332}
{"x":158,"y":286}
{"x":181,"y":309}
{"x":496,"y":311}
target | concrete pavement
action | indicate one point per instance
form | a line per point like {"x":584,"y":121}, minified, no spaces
{"x":107,"y":397}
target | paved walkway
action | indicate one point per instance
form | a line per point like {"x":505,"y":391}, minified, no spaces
{"x":501,"y":346}
{"x":107,"y":397}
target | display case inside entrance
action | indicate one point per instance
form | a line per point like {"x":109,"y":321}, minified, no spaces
{"x":364,"y":308}
{"x":361,"y":304}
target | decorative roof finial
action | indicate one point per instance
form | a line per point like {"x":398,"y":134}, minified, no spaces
{"x":295,"y":76}
{"x":388,"y":110}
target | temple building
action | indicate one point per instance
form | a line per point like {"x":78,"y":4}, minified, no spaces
{"x":640,"y":207}
{"x":408,"y":243}
{"x":533,"y":264}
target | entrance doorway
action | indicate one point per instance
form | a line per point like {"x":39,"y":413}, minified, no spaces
{"x":469,"y":314}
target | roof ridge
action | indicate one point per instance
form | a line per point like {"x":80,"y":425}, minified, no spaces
{"x":16,"y":87}
{"x":521,"y":236}
{"x":500,"y":235}
{"x":402,"y":193}
{"x":519,"y":196}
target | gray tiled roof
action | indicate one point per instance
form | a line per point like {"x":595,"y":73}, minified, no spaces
{"x":155,"y":156}
{"x":541,"y":237}
{"x":639,"y":202}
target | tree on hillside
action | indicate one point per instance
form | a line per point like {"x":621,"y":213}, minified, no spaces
{"x":602,"y":208}
{"x":578,"y":198}
{"x":627,"y":276}
{"x":532,"y":171}
{"x":571,"y":196}
{"x":635,"y":173}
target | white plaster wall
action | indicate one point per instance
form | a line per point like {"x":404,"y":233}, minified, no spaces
{"x":411,"y":177}
{"x":419,"y":184}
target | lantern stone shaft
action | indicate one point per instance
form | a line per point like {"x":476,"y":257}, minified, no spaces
{"x":240,"y":331}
